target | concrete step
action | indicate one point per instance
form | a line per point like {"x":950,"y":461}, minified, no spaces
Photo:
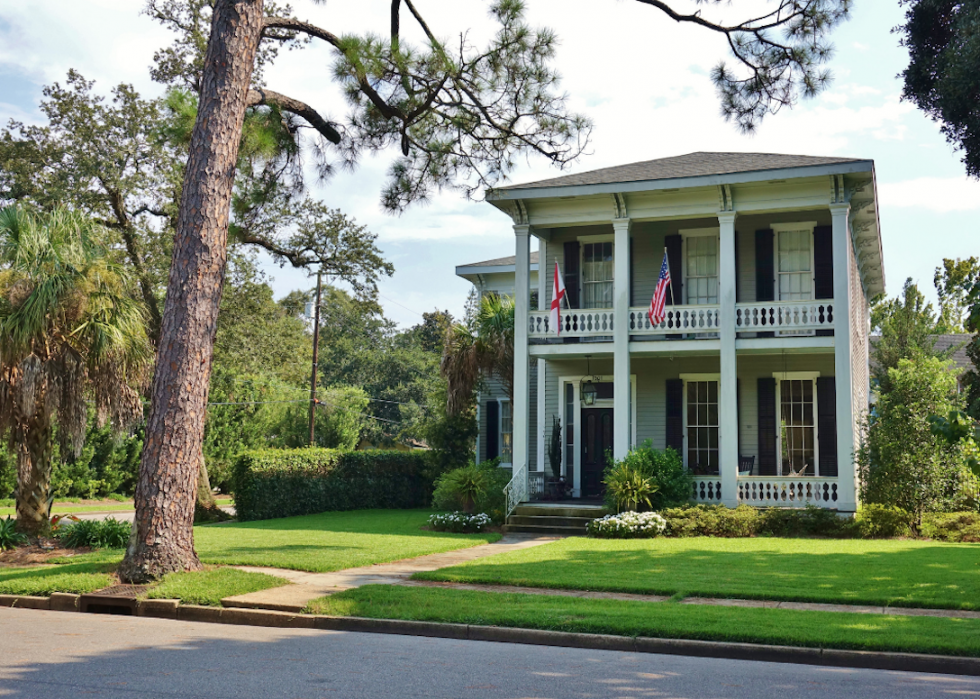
{"x":543,"y":521}
{"x":535,"y":510}
{"x":544,"y":530}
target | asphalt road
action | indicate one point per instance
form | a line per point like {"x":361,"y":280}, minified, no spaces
{"x":58,"y":655}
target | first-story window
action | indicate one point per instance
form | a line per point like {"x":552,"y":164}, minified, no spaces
{"x":701,"y":426}
{"x":797,"y":427}
{"x":506,"y":433}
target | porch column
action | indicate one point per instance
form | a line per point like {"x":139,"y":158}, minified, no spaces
{"x":621,"y":338}
{"x":543,"y":426}
{"x":728,"y":382}
{"x":522,"y":396}
{"x":847,"y":477}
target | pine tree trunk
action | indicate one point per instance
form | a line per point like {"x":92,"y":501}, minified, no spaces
{"x":163,"y":539}
{"x":33,"y":475}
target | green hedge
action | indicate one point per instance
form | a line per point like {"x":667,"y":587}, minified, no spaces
{"x":272,"y":483}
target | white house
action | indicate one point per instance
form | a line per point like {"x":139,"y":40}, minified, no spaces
{"x":759,"y":374}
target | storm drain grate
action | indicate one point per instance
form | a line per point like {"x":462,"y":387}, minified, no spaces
{"x":118,"y":599}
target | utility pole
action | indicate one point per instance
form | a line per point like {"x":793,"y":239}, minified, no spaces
{"x":316,"y":346}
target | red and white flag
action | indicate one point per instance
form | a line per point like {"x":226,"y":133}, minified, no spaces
{"x":557,"y":296}
{"x":659,"y":300}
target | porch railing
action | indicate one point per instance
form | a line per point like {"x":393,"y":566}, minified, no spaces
{"x":787,"y":491}
{"x":677,"y":320}
{"x":516,"y":491}
{"x":784,"y":315}
{"x":707,"y":489}
{"x":592,"y":322}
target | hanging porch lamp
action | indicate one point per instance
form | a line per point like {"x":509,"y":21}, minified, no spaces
{"x":587,"y":390}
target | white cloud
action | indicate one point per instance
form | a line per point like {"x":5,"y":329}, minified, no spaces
{"x":939,"y":194}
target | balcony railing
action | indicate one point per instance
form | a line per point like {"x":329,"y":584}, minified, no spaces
{"x":770,"y":491}
{"x":692,"y":321}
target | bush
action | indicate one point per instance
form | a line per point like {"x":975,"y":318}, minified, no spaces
{"x":951,"y":526}
{"x":473,"y":488}
{"x":9,"y":536}
{"x":8,"y":472}
{"x":665,"y":469}
{"x":460,"y":522}
{"x":627,"y":486}
{"x":628,"y":525}
{"x":712,"y":520}
{"x":98,"y":534}
{"x":273,"y":483}
{"x":876,"y":521}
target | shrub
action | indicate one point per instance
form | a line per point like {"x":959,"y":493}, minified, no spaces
{"x":272,"y":483}
{"x":473,"y":488}
{"x":951,"y":526}
{"x":628,"y":525}
{"x":9,"y":536}
{"x":713,"y":520}
{"x":627,"y":486}
{"x":8,"y":471}
{"x":460,"y":522}
{"x":876,"y":521}
{"x":665,"y":469}
{"x":810,"y":521}
{"x":98,"y":534}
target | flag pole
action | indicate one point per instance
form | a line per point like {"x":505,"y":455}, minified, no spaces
{"x":673,"y":299}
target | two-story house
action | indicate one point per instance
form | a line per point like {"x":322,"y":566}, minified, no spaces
{"x":758,"y":375}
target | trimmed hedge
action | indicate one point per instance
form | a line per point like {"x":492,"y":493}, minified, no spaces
{"x":951,"y":526}
{"x":271,"y":483}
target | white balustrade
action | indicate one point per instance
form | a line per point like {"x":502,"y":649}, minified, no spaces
{"x":707,"y":489}
{"x":677,"y":320}
{"x":591,"y":322}
{"x":787,"y":491}
{"x":784,"y":315}
{"x":516,"y":490}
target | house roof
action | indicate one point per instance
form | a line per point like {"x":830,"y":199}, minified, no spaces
{"x":701,"y":164}
{"x":496,"y":262}
{"x":943,"y":343}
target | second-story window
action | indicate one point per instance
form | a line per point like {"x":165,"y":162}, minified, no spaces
{"x":795,"y":263}
{"x":597,"y":275}
{"x":701,"y":280}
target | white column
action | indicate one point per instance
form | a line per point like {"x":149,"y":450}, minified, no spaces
{"x":621,"y":339}
{"x":728,"y":384}
{"x":522,"y":395}
{"x":544,"y":426}
{"x":847,"y":478}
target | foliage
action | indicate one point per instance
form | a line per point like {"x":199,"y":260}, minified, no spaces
{"x":274,"y":483}
{"x":746,"y":521}
{"x":8,"y":472}
{"x":943,"y":76}
{"x":876,"y":521}
{"x":9,"y":536}
{"x":627,"y":486}
{"x":341,"y":419}
{"x":902,"y":462}
{"x":451,"y":437}
{"x":672,"y":483}
{"x":106,"y":533}
{"x":473,"y":488}
{"x":555,"y":447}
{"x":904,"y":324}
{"x":108,"y":465}
{"x":951,"y":526}
{"x":460,"y":522}
{"x":628,"y":525}
{"x":954,"y":284}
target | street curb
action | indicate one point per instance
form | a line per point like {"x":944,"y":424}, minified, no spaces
{"x":872,"y":660}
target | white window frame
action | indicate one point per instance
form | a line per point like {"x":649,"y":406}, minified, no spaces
{"x":500,"y":432}
{"x":781,"y":376}
{"x":590,"y":240}
{"x":696,"y":378}
{"x":777,"y":228}
{"x":689,"y":233}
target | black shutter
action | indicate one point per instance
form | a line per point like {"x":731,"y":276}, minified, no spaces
{"x":675,"y":416}
{"x":823,"y":268}
{"x":827,"y":424}
{"x":764,"y":270}
{"x":767,"y":426}
{"x":571,"y":273}
{"x":493,"y":429}
{"x":674,"y":259}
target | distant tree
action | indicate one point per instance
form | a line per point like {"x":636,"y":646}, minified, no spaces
{"x":943,"y":75}
{"x":904,"y":324}
{"x":954,"y":282}
{"x":70,"y":329}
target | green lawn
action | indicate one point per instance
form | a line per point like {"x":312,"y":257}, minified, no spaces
{"x":660,"y":619}
{"x":110,"y":506}
{"x":886,"y":572}
{"x":76,"y":578}
{"x":211,"y":586}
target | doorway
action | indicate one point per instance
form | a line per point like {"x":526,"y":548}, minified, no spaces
{"x":597,"y":440}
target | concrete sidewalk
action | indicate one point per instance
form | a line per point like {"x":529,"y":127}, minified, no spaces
{"x":308,"y":586}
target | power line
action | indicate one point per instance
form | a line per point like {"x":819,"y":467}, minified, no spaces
{"x":402,"y":305}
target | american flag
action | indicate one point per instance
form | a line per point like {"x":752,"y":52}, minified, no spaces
{"x":659,"y":300}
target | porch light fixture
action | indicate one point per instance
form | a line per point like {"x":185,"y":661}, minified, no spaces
{"x":588,"y":390}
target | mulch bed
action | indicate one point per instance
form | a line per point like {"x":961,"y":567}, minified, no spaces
{"x":34,"y":554}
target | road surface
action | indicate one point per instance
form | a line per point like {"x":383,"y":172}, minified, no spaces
{"x":57,"y":655}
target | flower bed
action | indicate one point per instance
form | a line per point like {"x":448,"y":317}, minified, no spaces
{"x":628,"y":525}
{"x":459,"y":522}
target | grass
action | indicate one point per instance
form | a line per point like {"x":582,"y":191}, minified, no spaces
{"x":209,"y":587}
{"x":887,"y":572}
{"x":660,"y":619}
{"x":72,"y":506}
{"x":77,"y":578}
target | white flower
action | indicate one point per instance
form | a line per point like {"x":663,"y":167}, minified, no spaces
{"x":628,"y":525}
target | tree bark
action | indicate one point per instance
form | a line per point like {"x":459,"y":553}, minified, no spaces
{"x":163,"y":539}
{"x":33,"y":474}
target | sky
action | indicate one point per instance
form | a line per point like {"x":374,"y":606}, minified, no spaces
{"x":643,"y":80}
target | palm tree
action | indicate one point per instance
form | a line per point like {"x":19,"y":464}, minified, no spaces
{"x":486,"y":350}
{"x":71,"y":331}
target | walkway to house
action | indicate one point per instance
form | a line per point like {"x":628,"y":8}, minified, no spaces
{"x":309,"y":586}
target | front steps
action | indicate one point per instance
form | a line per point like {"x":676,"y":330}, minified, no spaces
{"x":558,"y":518}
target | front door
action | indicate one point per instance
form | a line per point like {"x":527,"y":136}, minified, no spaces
{"x":597,"y":439}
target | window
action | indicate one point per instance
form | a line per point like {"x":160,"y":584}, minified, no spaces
{"x":506,"y":433}
{"x":795,"y":264}
{"x":533,"y":305}
{"x":701,"y":278}
{"x":597,"y":275}
{"x":797,"y":427}
{"x":701,"y":426}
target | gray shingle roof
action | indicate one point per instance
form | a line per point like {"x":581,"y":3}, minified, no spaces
{"x":690,"y":165}
{"x":945,"y":342}
{"x":501,"y":261}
